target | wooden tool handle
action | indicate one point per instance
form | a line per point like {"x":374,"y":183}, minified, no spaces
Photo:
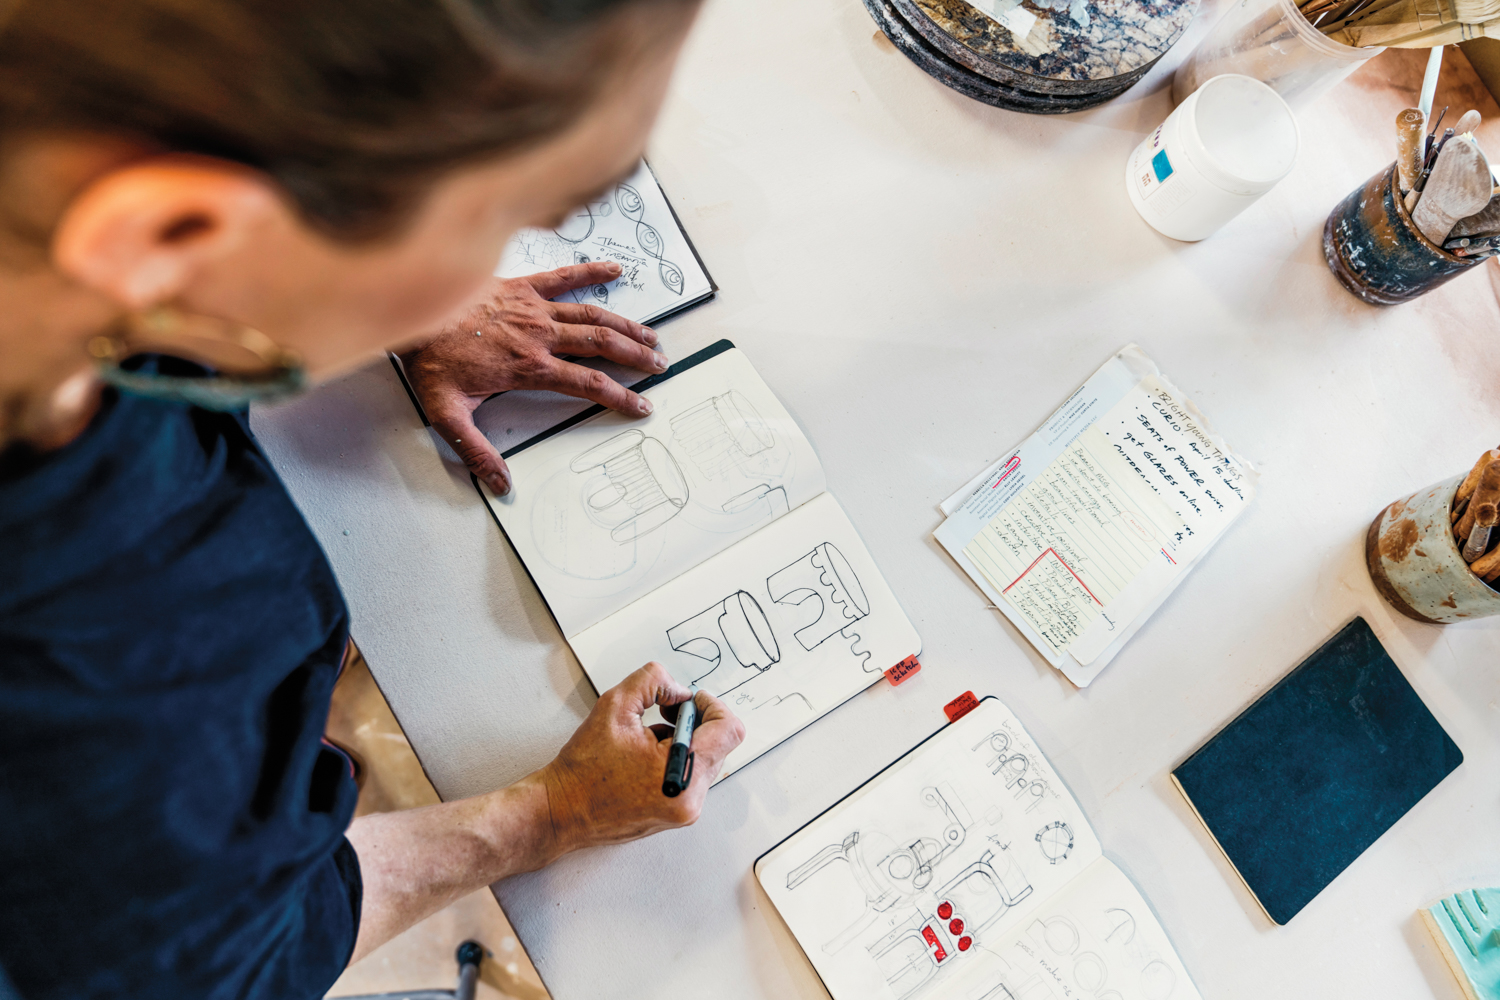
{"x":1487,"y":565}
{"x":1411,"y":126}
{"x":1471,"y":481}
{"x":1486,"y":494}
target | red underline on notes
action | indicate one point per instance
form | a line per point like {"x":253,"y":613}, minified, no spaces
{"x":1065,"y":566}
{"x":1011,"y":466}
{"x":1169,"y":558}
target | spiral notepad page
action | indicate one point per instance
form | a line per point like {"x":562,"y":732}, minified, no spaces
{"x":702,"y":537}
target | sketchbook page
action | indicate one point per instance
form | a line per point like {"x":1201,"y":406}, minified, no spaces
{"x":908,"y":885}
{"x":1078,"y":552}
{"x":613,"y":507}
{"x":1097,"y":938}
{"x":633,"y":226}
{"x":785,"y":627}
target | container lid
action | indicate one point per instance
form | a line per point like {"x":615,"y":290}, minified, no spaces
{"x":1241,"y":135}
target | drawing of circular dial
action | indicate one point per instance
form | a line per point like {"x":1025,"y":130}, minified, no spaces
{"x":1056,"y":841}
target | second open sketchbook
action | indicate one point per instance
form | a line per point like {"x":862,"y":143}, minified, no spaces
{"x":967,"y":871}
{"x":702,"y":537}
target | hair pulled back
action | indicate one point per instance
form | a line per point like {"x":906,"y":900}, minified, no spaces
{"x":353,"y":106}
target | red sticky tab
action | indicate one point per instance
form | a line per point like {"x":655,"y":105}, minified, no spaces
{"x":903,"y":670}
{"x":961,"y":706}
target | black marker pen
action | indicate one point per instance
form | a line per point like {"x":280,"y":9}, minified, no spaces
{"x":680,"y":756}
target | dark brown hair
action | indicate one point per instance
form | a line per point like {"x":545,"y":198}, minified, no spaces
{"x":353,"y":106}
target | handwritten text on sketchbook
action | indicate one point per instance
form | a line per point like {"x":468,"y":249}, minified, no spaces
{"x":1086,"y":543}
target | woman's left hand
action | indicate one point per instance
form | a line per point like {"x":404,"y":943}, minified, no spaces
{"x":513,"y":340}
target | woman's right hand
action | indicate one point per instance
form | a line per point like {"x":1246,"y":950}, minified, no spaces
{"x":604,"y":787}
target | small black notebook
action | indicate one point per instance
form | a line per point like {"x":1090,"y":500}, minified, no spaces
{"x":1313,"y":772}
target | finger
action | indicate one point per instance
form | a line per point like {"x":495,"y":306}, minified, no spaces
{"x":586,"y":383}
{"x":454,"y":420}
{"x":588,"y":314}
{"x":603,"y":342}
{"x":648,"y":686}
{"x":718,"y":732}
{"x":565,"y":279}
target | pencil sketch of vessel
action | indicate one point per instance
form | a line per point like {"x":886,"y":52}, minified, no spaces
{"x":924,"y":906}
{"x":728,"y":444}
{"x":733,"y":638}
{"x":720,"y":433}
{"x":823,"y":587}
{"x":636,"y":485}
{"x":1015,"y":768}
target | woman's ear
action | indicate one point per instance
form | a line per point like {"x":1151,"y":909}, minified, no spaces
{"x":141,"y":233}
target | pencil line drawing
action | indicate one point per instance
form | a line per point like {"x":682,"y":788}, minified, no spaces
{"x":587,"y":217}
{"x":821,"y":581}
{"x":599,"y":293}
{"x":999,"y":993}
{"x":783,"y":698}
{"x":733,"y":637}
{"x":1090,"y":972}
{"x":910,"y":929}
{"x":633,"y":207}
{"x":1124,"y":926}
{"x":1158,"y":980}
{"x":1056,"y":841}
{"x":721,"y":432}
{"x":774,"y":496}
{"x":1013,"y":767}
{"x":636,"y":486}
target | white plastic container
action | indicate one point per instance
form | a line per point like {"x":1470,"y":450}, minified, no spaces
{"x":1224,"y":147}
{"x":1270,"y":41}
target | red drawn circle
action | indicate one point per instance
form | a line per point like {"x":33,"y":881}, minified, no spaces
{"x":957,"y":926}
{"x":945,"y":910}
{"x":965,"y":943}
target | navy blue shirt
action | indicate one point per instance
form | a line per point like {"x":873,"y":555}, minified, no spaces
{"x":170,"y":823}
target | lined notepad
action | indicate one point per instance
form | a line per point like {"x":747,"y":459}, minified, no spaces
{"x":1082,"y":531}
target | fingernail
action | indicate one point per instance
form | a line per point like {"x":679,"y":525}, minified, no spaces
{"x":500,"y":484}
{"x":613,"y":267}
{"x":661,"y":361}
{"x":646,"y":407}
{"x":649,"y":335}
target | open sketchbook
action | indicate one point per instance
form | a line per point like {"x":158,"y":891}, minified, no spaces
{"x":1083,"y":531}
{"x":634,"y":226}
{"x":967,"y":871}
{"x":702,"y":537}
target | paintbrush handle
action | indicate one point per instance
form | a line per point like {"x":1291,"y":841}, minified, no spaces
{"x":1411,"y":126}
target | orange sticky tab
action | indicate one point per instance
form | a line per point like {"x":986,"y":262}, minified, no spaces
{"x":903,"y":670}
{"x":960,"y":706}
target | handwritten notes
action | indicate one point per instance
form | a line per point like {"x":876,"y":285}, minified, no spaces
{"x":1082,"y":531}
{"x":633,"y":226}
{"x":1073,"y":539}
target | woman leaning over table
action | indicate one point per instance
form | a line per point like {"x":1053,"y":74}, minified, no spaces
{"x":269,"y":190}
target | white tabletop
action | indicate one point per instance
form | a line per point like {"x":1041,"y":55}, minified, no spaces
{"x":922,"y":279}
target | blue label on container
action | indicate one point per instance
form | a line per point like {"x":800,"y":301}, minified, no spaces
{"x":1161,"y":165}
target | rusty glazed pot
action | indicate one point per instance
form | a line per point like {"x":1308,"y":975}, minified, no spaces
{"x":1416,"y":565}
{"x":1374,"y":250}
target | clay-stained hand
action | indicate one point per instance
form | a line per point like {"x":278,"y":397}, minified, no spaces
{"x":605,"y":785}
{"x":521,"y":336}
